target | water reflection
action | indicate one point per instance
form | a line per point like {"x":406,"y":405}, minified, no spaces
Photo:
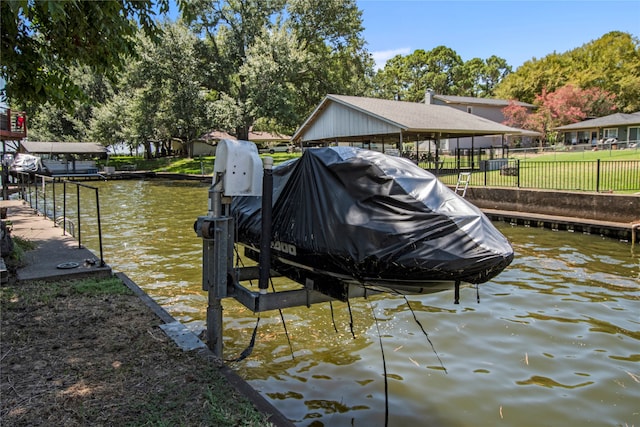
{"x":554,"y":340}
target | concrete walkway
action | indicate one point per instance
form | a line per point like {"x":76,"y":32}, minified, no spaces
{"x":57,"y":256}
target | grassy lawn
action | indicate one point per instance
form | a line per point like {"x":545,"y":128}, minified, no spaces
{"x":194,"y":166}
{"x":568,"y":155}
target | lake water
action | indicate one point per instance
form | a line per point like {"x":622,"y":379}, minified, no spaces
{"x":554,"y":341}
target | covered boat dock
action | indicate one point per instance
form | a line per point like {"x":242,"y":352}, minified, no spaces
{"x":388,"y":125}
{"x":66,"y":159}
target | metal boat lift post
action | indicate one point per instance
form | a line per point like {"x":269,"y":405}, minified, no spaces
{"x":238,"y":172}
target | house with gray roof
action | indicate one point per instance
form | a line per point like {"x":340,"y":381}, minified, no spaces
{"x":621,"y":127}
{"x":488,"y":108}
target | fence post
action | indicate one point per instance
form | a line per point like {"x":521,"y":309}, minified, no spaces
{"x":485,"y":173}
{"x":99,"y":228}
{"x":64,"y":207}
{"x":518,"y":168}
{"x":44,"y":197}
{"x":598,"y":176}
{"x":35,"y":188}
{"x":79,"y":220}
{"x":53,"y":185}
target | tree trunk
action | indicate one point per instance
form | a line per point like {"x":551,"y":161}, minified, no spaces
{"x":242,"y":133}
{"x":147,"y":150}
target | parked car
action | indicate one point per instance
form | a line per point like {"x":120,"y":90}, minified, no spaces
{"x":279,"y":148}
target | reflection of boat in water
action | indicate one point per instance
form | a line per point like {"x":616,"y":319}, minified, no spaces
{"x":348,"y":215}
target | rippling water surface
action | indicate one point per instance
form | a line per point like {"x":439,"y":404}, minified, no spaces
{"x":555,"y":339}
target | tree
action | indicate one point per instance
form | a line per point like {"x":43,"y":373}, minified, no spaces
{"x":51,"y":122}
{"x":495,"y":70}
{"x":237,"y":33}
{"x":610,"y":63}
{"x":470,"y":77}
{"x":441,"y":69}
{"x":566,"y":105}
{"x":43,"y":39}
{"x":160,"y":96}
{"x":516,"y":115}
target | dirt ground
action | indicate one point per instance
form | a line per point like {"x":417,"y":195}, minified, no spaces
{"x":71,"y":357}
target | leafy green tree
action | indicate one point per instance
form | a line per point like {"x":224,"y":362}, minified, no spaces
{"x":51,"y":122}
{"x":111,"y":123}
{"x":391,"y":82}
{"x":470,"y":78}
{"x":160,"y":96}
{"x":320,"y":38}
{"x":494,"y":71}
{"x":611,"y":63}
{"x":441,"y":69}
{"x":43,"y":39}
{"x":330,"y":32}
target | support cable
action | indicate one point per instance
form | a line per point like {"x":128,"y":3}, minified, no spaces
{"x":284,"y":324}
{"x":425,"y":334}
{"x":350,"y":319}
{"x":333,"y":319}
{"x":384,"y":368}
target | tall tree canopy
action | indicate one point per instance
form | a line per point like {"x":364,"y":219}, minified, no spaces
{"x":43,"y":39}
{"x":275,"y":60}
{"x":160,"y":96}
{"x":611,"y":63}
{"x":408,"y":77}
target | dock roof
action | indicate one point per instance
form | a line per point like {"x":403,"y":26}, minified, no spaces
{"x":39,"y":147}
{"x":353,"y":118}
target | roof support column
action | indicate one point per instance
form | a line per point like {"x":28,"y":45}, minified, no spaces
{"x":437,"y":142}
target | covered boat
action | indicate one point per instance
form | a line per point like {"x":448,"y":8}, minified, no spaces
{"x":348,"y":215}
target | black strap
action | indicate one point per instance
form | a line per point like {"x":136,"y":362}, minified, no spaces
{"x":247,"y":351}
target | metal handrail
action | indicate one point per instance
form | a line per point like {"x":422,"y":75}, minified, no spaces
{"x":25,"y":180}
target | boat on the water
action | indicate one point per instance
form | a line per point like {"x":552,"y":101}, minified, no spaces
{"x":354,"y":216}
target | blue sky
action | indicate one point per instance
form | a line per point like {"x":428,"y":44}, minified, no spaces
{"x":514,"y":30}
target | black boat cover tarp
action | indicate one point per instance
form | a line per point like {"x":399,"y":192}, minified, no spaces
{"x":376,"y":218}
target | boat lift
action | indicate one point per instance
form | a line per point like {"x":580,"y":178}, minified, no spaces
{"x":238,"y":171}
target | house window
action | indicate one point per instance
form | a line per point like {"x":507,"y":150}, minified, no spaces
{"x":610,"y":133}
{"x":634,"y":134}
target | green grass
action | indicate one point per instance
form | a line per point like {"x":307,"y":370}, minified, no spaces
{"x":20,"y":246}
{"x":45,"y":292}
{"x":627,"y":154}
{"x":192,"y":166}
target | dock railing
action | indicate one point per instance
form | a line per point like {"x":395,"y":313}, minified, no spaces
{"x":40,"y":192}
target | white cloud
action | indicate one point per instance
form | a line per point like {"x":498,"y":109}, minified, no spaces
{"x":382,"y":56}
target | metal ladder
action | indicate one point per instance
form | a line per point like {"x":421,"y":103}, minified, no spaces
{"x":463,"y":179}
